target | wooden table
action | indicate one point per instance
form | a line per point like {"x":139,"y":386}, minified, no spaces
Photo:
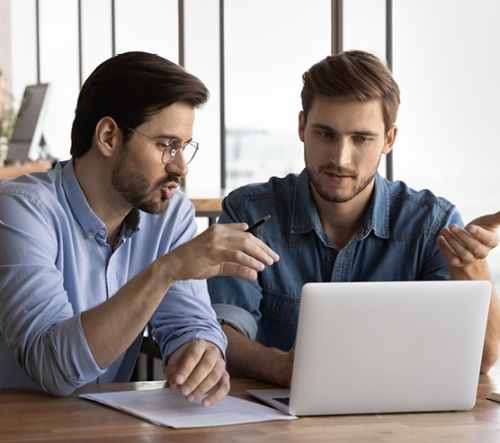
{"x":207,"y":207}
{"x":26,"y":416}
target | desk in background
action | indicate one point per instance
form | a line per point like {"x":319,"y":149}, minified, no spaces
{"x":207,"y":207}
{"x":26,"y":416}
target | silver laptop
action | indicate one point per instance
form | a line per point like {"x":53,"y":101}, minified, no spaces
{"x":376,"y":347}
{"x":25,"y":143}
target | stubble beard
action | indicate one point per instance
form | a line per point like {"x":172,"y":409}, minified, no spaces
{"x":331,"y":195}
{"x":135,"y":189}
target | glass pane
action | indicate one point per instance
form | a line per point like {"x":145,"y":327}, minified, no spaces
{"x":268,"y":47}
{"x":202,"y":60}
{"x":59,"y":67}
{"x":364,"y":28}
{"x":96,"y":34}
{"x":150,"y":26}
{"x":23,"y":48}
{"x":450,"y":96}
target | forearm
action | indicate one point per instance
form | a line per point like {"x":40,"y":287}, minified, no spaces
{"x":492,"y":339}
{"x":249,"y":358}
{"x":111,"y":327}
{"x":477,"y":269}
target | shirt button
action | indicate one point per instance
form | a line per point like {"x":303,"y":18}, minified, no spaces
{"x":102,"y":232}
{"x":329,"y":257}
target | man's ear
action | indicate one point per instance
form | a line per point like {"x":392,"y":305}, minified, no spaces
{"x":107,"y":135}
{"x":302,"y":125}
{"x":390,"y":138}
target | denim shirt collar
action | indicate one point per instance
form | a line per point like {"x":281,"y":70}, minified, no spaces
{"x":86,"y":217}
{"x":377,"y":217}
{"x":305,"y":216}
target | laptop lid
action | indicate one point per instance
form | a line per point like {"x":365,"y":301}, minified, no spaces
{"x":27,"y":132}
{"x":373,"y":347}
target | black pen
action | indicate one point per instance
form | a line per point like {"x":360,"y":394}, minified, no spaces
{"x":253,"y":227}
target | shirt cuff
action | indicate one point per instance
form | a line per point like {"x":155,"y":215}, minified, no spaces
{"x":236,"y":317}
{"x":218,"y":340}
{"x":75,"y":365}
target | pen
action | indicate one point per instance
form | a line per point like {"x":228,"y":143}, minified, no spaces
{"x":253,"y":227}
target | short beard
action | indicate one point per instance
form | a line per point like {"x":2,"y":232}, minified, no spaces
{"x":328,"y":195}
{"x":134,"y":188}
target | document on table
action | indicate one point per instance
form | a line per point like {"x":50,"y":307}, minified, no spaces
{"x":169,"y":408}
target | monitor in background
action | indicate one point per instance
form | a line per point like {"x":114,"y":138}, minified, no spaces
{"x":27,"y":132}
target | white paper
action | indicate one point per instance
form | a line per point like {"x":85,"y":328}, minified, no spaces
{"x":169,"y":408}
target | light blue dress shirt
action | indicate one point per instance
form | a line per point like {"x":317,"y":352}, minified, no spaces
{"x":396,"y":242}
{"x":55,"y":264}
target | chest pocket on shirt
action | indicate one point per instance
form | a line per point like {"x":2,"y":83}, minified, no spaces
{"x":280,"y":306}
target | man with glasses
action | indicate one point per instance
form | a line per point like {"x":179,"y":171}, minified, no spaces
{"x":339,"y":220}
{"x":93,"y":250}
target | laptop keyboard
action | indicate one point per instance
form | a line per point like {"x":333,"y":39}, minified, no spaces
{"x":284,"y":400}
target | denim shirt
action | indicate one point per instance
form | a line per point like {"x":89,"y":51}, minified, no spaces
{"x":397,"y":241}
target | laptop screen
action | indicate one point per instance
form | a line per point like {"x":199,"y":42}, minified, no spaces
{"x":27,"y":131}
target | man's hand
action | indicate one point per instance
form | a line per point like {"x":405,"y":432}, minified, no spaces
{"x":221,"y":250}
{"x":465,"y":250}
{"x":197,"y":368}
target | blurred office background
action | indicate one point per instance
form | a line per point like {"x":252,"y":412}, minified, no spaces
{"x":251,"y":55}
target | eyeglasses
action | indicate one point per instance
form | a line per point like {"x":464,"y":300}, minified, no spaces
{"x":171,"y":147}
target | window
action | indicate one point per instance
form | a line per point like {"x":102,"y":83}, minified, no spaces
{"x":450,"y":96}
{"x":268,"y":47}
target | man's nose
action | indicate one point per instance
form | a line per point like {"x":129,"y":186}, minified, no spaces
{"x":178,"y":165}
{"x":341,"y":152}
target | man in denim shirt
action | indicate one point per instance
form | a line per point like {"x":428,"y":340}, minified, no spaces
{"x":339,"y":220}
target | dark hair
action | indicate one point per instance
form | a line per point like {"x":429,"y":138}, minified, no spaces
{"x":353,"y":75}
{"x":129,"y":87}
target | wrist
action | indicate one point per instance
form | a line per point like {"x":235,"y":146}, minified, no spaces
{"x":164,"y":270}
{"x":273,"y":367}
{"x":282,"y":369}
{"x":478,"y":270}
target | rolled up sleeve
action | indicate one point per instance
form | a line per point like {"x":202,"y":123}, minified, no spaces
{"x":185,"y":313}
{"x":435,"y":267}
{"x":37,"y":321}
{"x":236,"y":317}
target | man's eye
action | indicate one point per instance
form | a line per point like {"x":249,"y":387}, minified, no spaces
{"x":175,"y":144}
{"x":162,"y":146}
{"x":360,"y":139}
{"x":323,"y":134}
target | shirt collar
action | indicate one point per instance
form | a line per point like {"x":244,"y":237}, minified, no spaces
{"x":377,"y":217}
{"x":305,"y":216}
{"x":86,"y":217}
